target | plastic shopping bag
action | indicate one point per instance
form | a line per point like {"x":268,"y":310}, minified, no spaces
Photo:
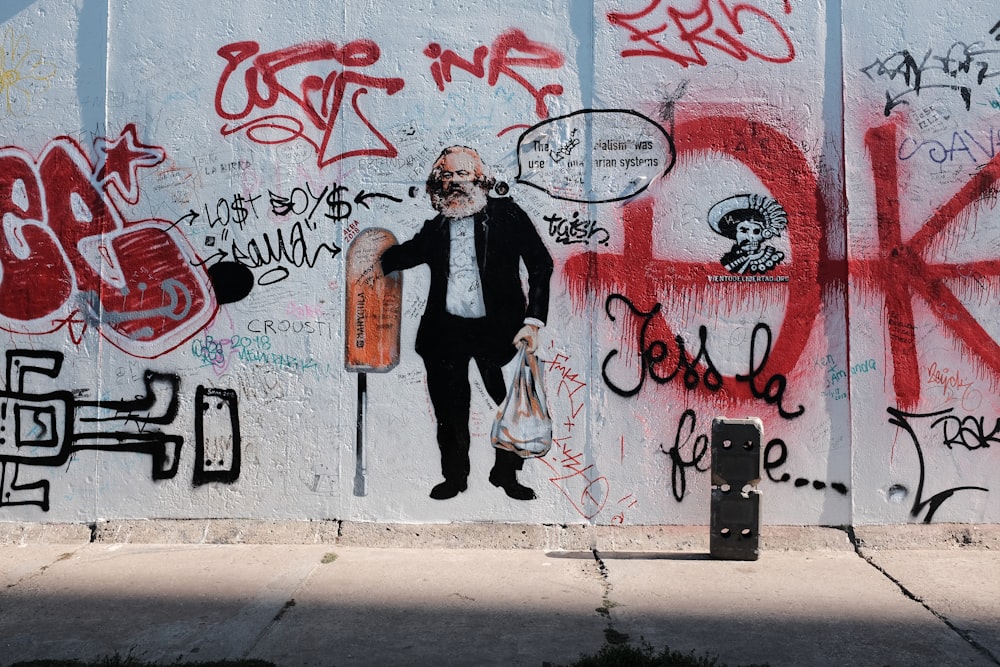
{"x":523,"y":424}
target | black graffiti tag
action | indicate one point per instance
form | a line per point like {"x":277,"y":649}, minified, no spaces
{"x":969,"y":432}
{"x":654,"y":355}
{"x":678,"y":466}
{"x":774,"y":388}
{"x":901,"y":419}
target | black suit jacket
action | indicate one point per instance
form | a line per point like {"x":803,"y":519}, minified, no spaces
{"x":504,"y":235}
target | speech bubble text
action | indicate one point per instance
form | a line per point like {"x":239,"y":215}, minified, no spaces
{"x":594,"y":156}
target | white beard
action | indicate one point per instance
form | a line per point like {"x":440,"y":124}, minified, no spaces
{"x":459,"y":203}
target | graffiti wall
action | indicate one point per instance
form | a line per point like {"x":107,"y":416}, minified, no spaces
{"x":923,"y":235}
{"x":302,"y":261}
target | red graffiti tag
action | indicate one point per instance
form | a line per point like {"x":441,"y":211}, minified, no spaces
{"x":68,"y":258}
{"x":260,"y":93}
{"x":585,"y":489}
{"x":901,"y":271}
{"x":646,"y":279}
{"x":501,"y":63}
{"x":699,"y":28}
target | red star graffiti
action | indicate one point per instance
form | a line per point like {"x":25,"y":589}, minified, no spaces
{"x":118,"y":162}
{"x":902,"y":273}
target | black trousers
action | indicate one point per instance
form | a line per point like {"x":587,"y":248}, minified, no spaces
{"x":463,"y":340}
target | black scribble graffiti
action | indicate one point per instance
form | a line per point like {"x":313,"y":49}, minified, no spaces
{"x":297,"y":252}
{"x":303,"y":202}
{"x":362,"y":198}
{"x":665,"y":108}
{"x":568,"y":231}
{"x":969,"y":432}
{"x":686,"y":454}
{"x":566,"y":149}
{"x":45,"y":428}
{"x":653,"y":353}
{"x":961,"y":68}
{"x":774,"y":389}
{"x":901,"y":419}
{"x":679,"y":466}
{"x":276,"y":250}
{"x":776,"y":455}
{"x":229,"y":212}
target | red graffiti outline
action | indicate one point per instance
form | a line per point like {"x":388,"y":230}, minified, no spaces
{"x":901,"y":272}
{"x":642,"y":277}
{"x":119,"y":161}
{"x":70,"y":259}
{"x":571,"y":461}
{"x":320,"y":98}
{"x":538,"y":54}
{"x":729,"y":45}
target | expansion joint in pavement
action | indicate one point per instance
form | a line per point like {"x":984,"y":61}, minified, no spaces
{"x":967,"y":637}
{"x":612,"y":635}
{"x":266,"y":631}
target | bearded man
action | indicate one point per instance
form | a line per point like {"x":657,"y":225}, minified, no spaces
{"x":476,"y":306}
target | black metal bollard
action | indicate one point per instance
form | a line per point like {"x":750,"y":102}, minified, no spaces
{"x":735,"y":511}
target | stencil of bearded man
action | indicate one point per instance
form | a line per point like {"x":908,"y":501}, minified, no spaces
{"x":476,"y":305}
{"x":750,"y":220}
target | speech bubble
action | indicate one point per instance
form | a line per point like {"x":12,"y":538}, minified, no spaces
{"x":594,"y":155}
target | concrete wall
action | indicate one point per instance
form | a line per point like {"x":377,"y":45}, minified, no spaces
{"x":192,"y":191}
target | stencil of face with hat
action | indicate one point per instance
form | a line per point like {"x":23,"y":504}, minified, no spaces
{"x":748,"y":219}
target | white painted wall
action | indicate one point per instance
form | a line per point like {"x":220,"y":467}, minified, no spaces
{"x":135,"y":160}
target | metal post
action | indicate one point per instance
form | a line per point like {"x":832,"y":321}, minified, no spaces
{"x":735,"y":507}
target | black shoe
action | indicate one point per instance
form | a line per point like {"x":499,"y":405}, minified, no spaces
{"x":448,"y":489}
{"x":510,"y":486}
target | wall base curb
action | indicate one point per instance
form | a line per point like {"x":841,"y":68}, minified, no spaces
{"x":491,"y":535}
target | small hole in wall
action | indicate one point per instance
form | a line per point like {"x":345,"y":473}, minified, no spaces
{"x":897,"y":493}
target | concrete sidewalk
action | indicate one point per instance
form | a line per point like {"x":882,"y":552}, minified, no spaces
{"x":909,"y":595}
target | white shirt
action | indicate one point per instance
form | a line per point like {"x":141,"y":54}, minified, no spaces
{"x":465,"y":290}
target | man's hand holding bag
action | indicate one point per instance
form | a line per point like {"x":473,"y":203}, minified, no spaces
{"x":523,"y":424}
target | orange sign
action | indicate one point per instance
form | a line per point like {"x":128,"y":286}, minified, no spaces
{"x":373,"y":309}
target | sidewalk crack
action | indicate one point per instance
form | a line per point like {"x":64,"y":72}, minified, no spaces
{"x":963,"y":634}
{"x":611,"y":635}
{"x":31,"y":576}
{"x":266,"y":630}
